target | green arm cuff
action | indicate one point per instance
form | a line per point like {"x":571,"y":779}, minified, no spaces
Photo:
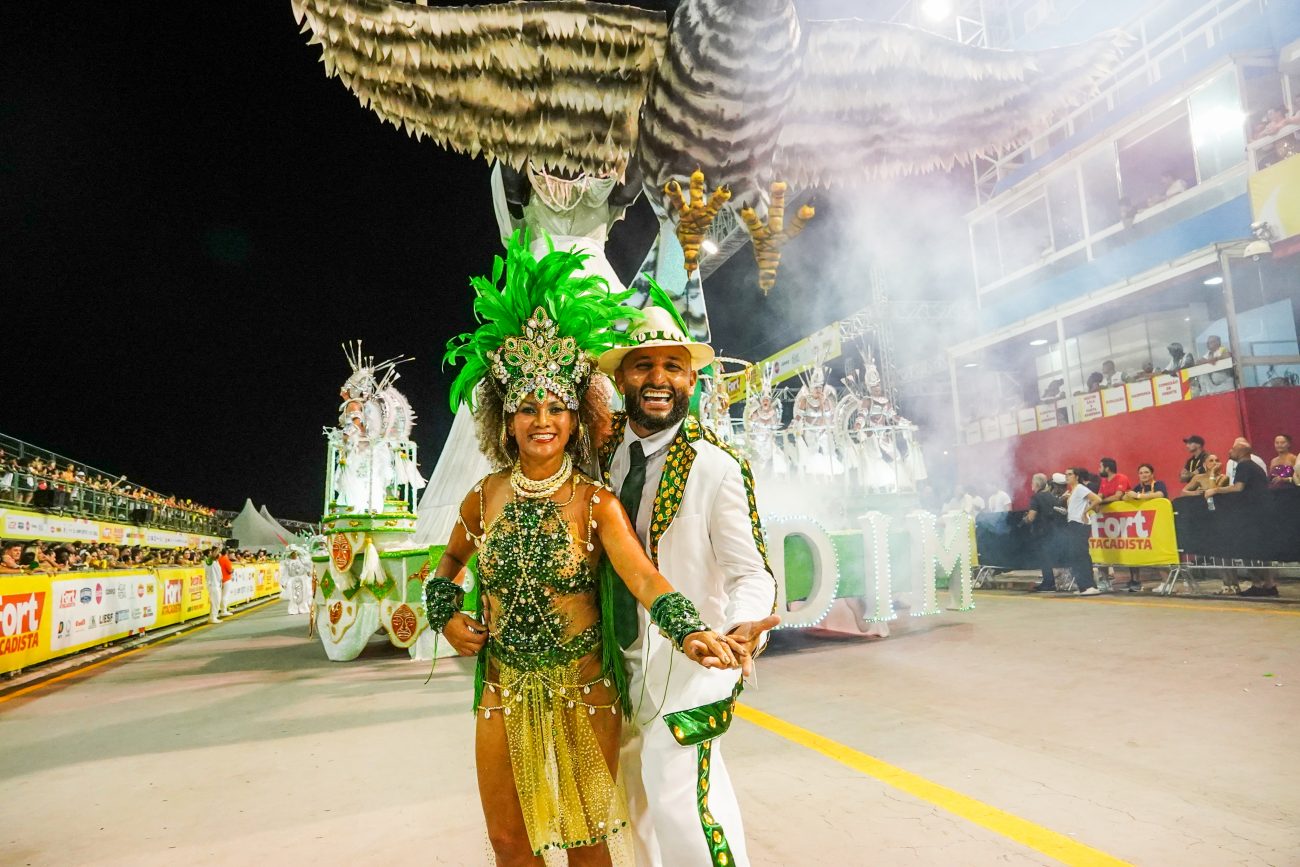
{"x":442,"y":599}
{"x":676,"y":617}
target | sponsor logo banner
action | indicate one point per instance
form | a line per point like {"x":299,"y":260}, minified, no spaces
{"x":1134,"y":534}
{"x":21,"y":615}
{"x":28,"y":525}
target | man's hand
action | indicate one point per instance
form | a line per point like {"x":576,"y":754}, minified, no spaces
{"x":1209,"y":493}
{"x":710,"y":650}
{"x":744,"y":639}
{"x":465,"y":634}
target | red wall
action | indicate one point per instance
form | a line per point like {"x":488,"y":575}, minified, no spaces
{"x":1152,"y":436}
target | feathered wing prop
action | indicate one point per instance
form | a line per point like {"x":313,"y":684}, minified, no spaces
{"x":581,"y":307}
{"x":879,"y":100}
{"x":560,"y":82}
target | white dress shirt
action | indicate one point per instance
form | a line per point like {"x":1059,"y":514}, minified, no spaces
{"x":656,"y":453}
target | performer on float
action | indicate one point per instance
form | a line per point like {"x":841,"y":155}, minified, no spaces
{"x":691,"y":498}
{"x":715,"y":407}
{"x":763,"y":426}
{"x":295,"y":580}
{"x":814,"y":420}
{"x":372,"y":441}
{"x":550,"y":680}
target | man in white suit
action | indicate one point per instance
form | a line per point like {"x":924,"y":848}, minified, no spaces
{"x":691,"y":498}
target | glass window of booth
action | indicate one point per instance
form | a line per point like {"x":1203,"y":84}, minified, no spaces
{"x":1156,"y":161}
{"x":1217,"y":125}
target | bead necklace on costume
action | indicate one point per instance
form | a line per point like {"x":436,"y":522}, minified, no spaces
{"x":540,"y":489}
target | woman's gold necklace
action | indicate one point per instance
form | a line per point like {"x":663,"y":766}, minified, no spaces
{"x":540,"y":489}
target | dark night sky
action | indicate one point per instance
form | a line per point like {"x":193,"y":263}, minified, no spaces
{"x":193,"y":218}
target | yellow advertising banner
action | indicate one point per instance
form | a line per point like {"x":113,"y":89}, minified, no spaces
{"x":1275,"y":196}
{"x":26,"y":610}
{"x":1136,"y":533}
{"x":47,"y":616}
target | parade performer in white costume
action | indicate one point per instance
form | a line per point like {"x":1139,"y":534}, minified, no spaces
{"x":295,"y":581}
{"x":691,"y":498}
{"x":372,"y":441}
{"x":212,"y":577}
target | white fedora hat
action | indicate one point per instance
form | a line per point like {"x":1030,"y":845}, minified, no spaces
{"x":658,"y":328}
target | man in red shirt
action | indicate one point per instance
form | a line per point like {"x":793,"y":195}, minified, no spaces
{"x":227,"y":572}
{"x":1113,"y":483}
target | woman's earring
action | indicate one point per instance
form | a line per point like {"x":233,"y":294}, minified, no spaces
{"x":505,"y":450}
{"x":582,"y":442}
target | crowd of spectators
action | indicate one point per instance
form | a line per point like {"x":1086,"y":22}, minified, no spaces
{"x":1179,"y":359}
{"x":88,"y":493}
{"x":1061,"y":505}
{"x":1275,"y":121}
{"x":52,"y":557}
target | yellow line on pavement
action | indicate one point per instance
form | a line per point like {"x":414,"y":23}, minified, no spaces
{"x":82,"y":669}
{"x":1209,"y":606}
{"x":1022,"y":831}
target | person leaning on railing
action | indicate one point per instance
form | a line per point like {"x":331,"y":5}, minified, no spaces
{"x":10,"y":559}
{"x":1148,"y":487}
{"x":1212,"y":478}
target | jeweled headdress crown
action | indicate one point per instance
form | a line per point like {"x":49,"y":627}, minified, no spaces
{"x":539,"y":330}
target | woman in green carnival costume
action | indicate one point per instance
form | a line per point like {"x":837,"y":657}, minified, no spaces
{"x":550,"y":690}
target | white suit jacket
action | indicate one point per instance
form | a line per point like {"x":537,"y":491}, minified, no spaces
{"x":706,"y":538}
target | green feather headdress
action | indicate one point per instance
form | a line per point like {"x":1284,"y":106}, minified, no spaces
{"x":539,"y":330}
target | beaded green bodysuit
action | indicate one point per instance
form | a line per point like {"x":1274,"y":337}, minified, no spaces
{"x":544,"y":671}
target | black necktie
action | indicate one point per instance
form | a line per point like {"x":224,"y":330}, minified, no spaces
{"x":625,"y":616}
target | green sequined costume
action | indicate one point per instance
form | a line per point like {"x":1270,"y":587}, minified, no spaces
{"x":551,"y":670}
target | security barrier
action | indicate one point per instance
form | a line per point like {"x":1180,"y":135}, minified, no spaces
{"x":1161,"y":532}
{"x":43,"y":617}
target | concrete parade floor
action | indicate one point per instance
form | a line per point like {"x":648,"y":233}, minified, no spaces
{"x":1030,"y":731}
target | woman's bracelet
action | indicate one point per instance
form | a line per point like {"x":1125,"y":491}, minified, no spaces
{"x":443,"y":599}
{"x":676,"y":617}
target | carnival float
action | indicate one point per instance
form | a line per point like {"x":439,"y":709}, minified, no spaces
{"x":727,"y":116}
{"x":367,"y":571}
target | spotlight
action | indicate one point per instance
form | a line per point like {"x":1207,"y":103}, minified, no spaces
{"x":971,"y":364}
{"x":1042,"y":341}
{"x":1214,"y":281}
{"x":709,"y":247}
{"x":936,"y":10}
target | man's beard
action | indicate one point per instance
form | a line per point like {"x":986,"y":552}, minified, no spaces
{"x":642,"y":419}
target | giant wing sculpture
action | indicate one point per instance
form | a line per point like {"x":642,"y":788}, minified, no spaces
{"x":742,"y":92}
{"x":558,"y":82}
{"x":878,"y":100}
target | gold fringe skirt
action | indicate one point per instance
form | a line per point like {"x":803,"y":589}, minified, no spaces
{"x":568,"y":796}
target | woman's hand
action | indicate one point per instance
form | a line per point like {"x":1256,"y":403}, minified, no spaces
{"x":465,"y":634}
{"x":710,"y":650}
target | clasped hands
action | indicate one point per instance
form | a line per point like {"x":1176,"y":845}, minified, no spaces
{"x":734,"y":650}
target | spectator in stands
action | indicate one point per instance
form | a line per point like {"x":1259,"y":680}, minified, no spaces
{"x":1281,"y":470}
{"x":1148,"y":487}
{"x":1250,"y":485}
{"x":9,"y":559}
{"x":998,"y":500}
{"x":1094,"y":381}
{"x":1173,"y":184}
{"x":1055,"y":391}
{"x":1195,"y":463}
{"x":1178,"y":359}
{"x":1254,"y":458}
{"x":1110,"y":377}
{"x":1044,"y":524}
{"x":1077,"y":556}
{"x":1148,"y":370}
{"x":1114,"y":484}
{"x":1213,"y":476}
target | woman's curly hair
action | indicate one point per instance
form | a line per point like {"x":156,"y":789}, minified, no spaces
{"x":501,"y":450}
